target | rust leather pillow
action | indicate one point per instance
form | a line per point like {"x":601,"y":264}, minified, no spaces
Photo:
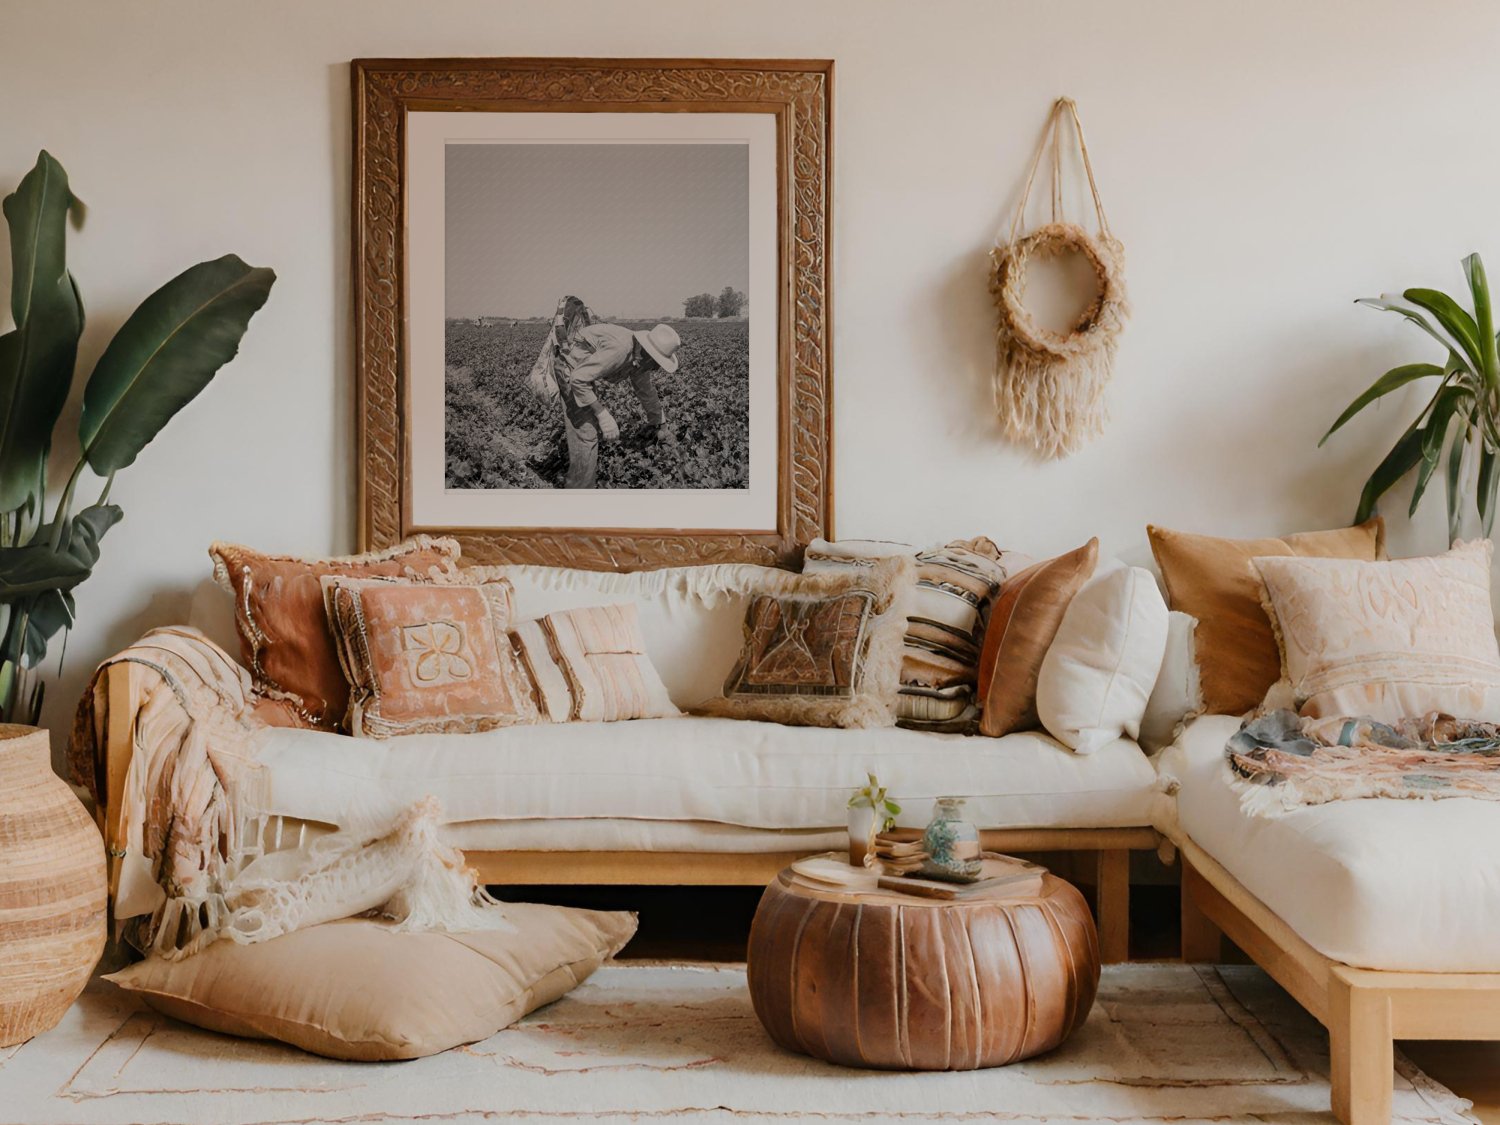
{"x":1023,"y":622}
{"x":284,"y":635}
{"x":1215,"y":581}
{"x":427,"y":657}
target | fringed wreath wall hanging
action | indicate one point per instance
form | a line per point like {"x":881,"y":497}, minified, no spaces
{"x":1049,"y":386}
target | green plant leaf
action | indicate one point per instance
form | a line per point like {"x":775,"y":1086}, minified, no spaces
{"x":1392,"y":380}
{"x":1402,"y":458}
{"x":37,"y":356}
{"x":166,"y":353}
{"x":1445,"y":404}
{"x":1455,"y":475}
{"x":1484,"y":317}
{"x":1391,"y":302}
{"x":35,"y":568}
{"x":1488,"y":480}
{"x":1455,"y":321}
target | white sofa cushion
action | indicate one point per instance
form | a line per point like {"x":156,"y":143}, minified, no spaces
{"x":1101,"y":665}
{"x":731,"y":771}
{"x":1379,"y":884}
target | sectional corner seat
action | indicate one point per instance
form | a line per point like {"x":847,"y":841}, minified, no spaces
{"x":1380,"y":916}
{"x":682,"y":800}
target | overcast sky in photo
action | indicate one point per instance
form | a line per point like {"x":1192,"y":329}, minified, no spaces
{"x":632,"y":229}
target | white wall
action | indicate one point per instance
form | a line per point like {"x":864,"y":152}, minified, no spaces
{"x":1264,"y":164}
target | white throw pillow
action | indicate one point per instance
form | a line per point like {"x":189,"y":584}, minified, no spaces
{"x":1388,"y":640}
{"x":1178,"y":694}
{"x":1098,"y":674}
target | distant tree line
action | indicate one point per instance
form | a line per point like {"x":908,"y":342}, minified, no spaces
{"x":729,"y":302}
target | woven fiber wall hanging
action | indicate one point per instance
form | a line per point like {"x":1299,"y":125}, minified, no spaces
{"x":1049,"y":386}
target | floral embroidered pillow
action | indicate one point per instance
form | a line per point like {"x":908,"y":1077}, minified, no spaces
{"x":427,"y":657}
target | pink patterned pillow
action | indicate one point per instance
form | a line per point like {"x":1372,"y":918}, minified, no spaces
{"x":590,"y":665}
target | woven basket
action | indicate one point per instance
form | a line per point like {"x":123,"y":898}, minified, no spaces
{"x":52,"y":889}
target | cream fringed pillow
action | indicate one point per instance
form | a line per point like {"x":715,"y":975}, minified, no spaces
{"x":823,"y":650}
{"x":590,"y":665}
{"x":1390,"y":640}
{"x":427,"y":657}
{"x":356,"y":990}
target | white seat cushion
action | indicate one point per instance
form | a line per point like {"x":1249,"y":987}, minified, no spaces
{"x":1379,"y":884}
{"x":730,"y":771}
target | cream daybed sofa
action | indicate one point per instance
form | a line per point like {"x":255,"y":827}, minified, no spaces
{"x":681,"y":800}
{"x":1381,"y":916}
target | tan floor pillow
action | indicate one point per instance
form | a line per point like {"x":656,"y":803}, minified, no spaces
{"x":358,"y":990}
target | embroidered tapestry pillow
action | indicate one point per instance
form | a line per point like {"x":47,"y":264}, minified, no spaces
{"x":284,"y":635}
{"x":1026,"y":617}
{"x":823,"y":649}
{"x":1213,"y":580}
{"x":956,"y":584}
{"x":427,"y":657}
{"x":1388,"y":640}
{"x":590,"y":665}
{"x":357,"y":989}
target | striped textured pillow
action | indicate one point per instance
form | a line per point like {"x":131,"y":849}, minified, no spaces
{"x":956,"y":583}
{"x":590,"y":665}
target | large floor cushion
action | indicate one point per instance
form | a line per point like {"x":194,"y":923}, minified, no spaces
{"x":730,"y":771}
{"x":1379,"y":884}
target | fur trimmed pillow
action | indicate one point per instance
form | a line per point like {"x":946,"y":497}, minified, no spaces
{"x":427,"y":657}
{"x":285,"y":639}
{"x":823,"y":649}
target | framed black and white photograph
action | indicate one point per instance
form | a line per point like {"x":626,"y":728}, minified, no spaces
{"x":610,"y":293}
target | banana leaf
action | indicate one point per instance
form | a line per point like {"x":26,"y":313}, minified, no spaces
{"x":35,"y":568}
{"x":164,"y":354}
{"x":37,"y":356}
{"x":1394,"y":379}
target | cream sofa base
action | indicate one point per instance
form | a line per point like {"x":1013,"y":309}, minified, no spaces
{"x":1364,"y":1010}
{"x":1111,"y":847}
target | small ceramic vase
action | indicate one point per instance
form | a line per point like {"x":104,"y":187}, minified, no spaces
{"x":951,"y":843}
{"x":861,"y":832}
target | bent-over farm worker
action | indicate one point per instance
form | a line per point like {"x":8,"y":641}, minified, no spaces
{"x":608,"y":351}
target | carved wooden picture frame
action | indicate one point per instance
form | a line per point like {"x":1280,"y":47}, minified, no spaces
{"x":388,"y":97}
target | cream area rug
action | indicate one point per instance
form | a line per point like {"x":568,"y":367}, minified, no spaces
{"x":646,"y":1042}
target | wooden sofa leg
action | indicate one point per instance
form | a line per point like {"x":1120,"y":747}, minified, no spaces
{"x":1202,"y":941}
{"x":1112,"y":886}
{"x":1361,"y":1052}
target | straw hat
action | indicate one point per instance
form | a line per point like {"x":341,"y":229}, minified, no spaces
{"x":662,"y":344}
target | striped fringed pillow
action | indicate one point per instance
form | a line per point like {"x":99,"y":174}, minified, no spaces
{"x":956,"y":583}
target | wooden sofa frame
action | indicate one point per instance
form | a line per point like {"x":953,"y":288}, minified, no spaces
{"x":1364,"y":1010}
{"x":1111,"y":846}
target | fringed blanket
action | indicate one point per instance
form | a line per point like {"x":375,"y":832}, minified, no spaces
{"x":190,"y":841}
{"x":1281,"y":761}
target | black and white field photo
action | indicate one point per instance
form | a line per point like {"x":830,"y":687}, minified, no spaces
{"x":596,"y":317}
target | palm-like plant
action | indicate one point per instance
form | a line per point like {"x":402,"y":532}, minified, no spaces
{"x":1458,"y":426}
{"x":163,"y":355}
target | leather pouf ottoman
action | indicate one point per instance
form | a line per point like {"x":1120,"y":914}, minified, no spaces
{"x":889,"y":980}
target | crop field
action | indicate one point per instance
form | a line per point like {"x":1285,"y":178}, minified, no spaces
{"x":500,"y":435}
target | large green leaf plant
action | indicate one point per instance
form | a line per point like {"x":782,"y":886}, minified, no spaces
{"x":1457,"y":428}
{"x":164,"y":354}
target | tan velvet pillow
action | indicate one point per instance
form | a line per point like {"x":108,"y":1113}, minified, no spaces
{"x":285,"y":640}
{"x":1214,"y":580}
{"x":357,"y":990}
{"x":1389,"y":640}
{"x":427,"y":657}
{"x":823,"y":649}
{"x":1025,"y":618}
{"x":590,"y":665}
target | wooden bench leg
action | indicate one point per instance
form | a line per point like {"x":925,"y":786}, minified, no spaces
{"x":1202,"y":941}
{"x":1361,"y":1052}
{"x":1112,"y":886}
